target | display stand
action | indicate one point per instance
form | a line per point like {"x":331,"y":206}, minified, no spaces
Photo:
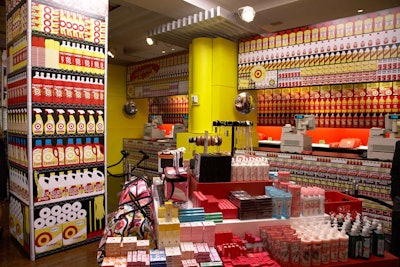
{"x":56,"y":140}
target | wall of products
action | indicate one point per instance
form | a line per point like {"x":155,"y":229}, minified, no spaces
{"x":345,"y":71}
{"x":56,"y":119}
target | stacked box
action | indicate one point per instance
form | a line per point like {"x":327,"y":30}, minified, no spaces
{"x":113,"y":245}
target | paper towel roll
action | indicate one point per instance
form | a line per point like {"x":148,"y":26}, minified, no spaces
{"x":56,"y":210}
{"x":39,"y":223}
{"x":61,"y":218}
{"x":76,"y":206}
{"x":67,"y":208}
{"x":51,"y":221}
{"x":45,"y":213}
{"x":71,"y":216}
{"x":82,"y":214}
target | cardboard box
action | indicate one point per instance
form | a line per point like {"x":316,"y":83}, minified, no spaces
{"x":74,"y":232}
{"x":48,"y":238}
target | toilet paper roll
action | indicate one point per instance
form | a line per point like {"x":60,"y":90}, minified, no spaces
{"x":45,"y":213}
{"x":82,"y":214}
{"x":76,"y":206}
{"x":51,"y":221}
{"x":71,"y":216}
{"x":56,"y":210}
{"x":67,"y":208}
{"x":61,"y":218}
{"x":39,"y":223}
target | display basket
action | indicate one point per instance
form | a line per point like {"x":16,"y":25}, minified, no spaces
{"x":337,"y":202}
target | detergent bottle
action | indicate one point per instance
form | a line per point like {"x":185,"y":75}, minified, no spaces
{"x":49,"y":126}
{"x":37,"y":125}
{"x":37,"y":153}
{"x":100,"y":122}
{"x":61,"y":125}
{"x":81,"y":126}
{"x":71,"y":153}
{"x":79,"y":149}
{"x":91,"y":124}
{"x":89,"y":151}
{"x":61,"y":152}
{"x":50,"y":154}
{"x":71,"y":125}
{"x":99,"y":150}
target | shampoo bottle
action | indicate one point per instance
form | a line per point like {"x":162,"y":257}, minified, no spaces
{"x":378,"y":246}
{"x":49,"y":126}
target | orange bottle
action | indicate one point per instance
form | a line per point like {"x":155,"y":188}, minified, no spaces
{"x":395,"y":104}
{"x":388,"y":104}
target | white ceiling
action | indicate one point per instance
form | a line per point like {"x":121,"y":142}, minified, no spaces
{"x":130,"y":21}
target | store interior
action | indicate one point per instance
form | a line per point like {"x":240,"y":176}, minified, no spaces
{"x":215,"y":108}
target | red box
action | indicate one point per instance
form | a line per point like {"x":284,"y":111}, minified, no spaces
{"x":341,"y":203}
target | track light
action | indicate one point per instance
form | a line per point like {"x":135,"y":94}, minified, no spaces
{"x":149,"y":41}
{"x":246,"y":13}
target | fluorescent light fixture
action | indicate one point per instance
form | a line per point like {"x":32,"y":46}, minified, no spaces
{"x":149,"y":41}
{"x":247,"y":13}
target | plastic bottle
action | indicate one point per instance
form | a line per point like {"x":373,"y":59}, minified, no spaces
{"x":366,"y":243}
{"x":305,"y":251}
{"x":71,"y":153}
{"x":79,"y":149}
{"x":334,"y":245}
{"x":62,"y":56}
{"x":91,"y":124}
{"x":50,"y":154}
{"x":378,"y":246}
{"x":343,"y":246}
{"x":37,"y":125}
{"x":37,"y":88}
{"x":37,"y":154}
{"x":325,"y":249}
{"x":61,"y":152}
{"x":49,"y":126}
{"x":48,"y":88}
{"x":316,"y":251}
{"x":58,"y":93}
{"x":71,"y":125}
{"x":81,"y":125}
{"x":89,"y":151}
{"x":100,"y":122}
{"x":61,"y":125}
{"x":99,"y":150}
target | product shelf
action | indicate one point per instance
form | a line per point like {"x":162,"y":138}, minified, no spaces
{"x":69,"y":199}
{"x":67,"y":72}
{"x":63,"y":38}
{"x":9,"y":14}
{"x":70,"y":8}
{"x":69,"y":167}
{"x":20,"y":198}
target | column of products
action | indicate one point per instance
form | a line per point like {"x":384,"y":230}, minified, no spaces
{"x":361,"y":105}
{"x":173,"y":109}
{"x":57,"y":123}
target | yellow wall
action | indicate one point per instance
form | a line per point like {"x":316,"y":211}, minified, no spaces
{"x":120,"y":126}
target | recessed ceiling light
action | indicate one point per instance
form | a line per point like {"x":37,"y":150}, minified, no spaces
{"x":149,"y":41}
{"x":163,"y":51}
{"x":360,"y":10}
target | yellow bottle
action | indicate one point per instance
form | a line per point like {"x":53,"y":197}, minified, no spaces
{"x":71,"y":125}
{"x":100,"y":122}
{"x":37,"y":125}
{"x":91,"y":124}
{"x":395,"y":104}
{"x":61,"y":126}
{"x":50,"y":154}
{"x":49,"y":126}
{"x":81,"y":126}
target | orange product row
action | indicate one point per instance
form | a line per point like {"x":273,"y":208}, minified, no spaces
{"x":364,"y":104}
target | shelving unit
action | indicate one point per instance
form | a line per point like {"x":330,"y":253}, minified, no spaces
{"x":56,"y":142}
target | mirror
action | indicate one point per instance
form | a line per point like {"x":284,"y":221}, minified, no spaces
{"x":130,"y":108}
{"x":244,"y":103}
